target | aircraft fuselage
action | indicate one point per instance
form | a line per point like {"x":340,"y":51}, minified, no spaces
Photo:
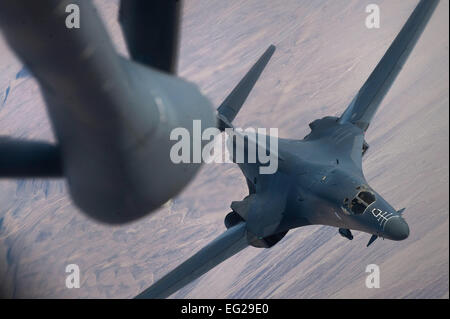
{"x":320,"y":182}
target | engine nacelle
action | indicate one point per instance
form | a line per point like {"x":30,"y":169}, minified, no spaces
{"x":265,"y":242}
{"x":232,"y":219}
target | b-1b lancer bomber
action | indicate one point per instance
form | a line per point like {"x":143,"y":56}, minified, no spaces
{"x":319,"y":180}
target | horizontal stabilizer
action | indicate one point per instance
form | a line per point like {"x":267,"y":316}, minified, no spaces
{"x":234,"y":101}
{"x":29,"y":159}
{"x":223,"y":247}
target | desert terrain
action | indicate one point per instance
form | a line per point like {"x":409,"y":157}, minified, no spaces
{"x":324,"y":54}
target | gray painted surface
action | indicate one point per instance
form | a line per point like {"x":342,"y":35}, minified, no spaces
{"x":112,"y":117}
{"x":319,"y":180}
{"x":324,"y":54}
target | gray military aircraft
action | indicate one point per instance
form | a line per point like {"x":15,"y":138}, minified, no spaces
{"x":319,"y":180}
{"x":111,"y":116}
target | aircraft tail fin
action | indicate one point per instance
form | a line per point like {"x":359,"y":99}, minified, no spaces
{"x":230,"y":107}
{"x":223,"y":247}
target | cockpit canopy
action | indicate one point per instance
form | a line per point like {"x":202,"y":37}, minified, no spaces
{"x":361,"y":201}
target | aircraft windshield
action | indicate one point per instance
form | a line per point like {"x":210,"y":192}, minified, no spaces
{"x":361,"y":201}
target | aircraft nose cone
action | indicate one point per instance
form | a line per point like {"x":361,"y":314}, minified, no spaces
{"x":396,"y":229}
